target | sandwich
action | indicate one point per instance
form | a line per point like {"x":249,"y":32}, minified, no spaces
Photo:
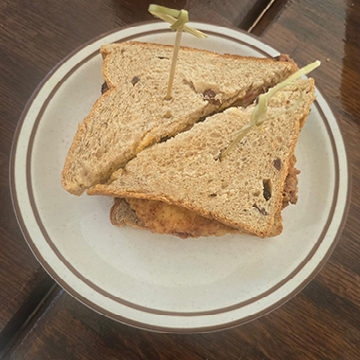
{"x":162,"y":159}
{"x":162,"y":218}
{"x":244,"y":190}
{"x":133,"y":114}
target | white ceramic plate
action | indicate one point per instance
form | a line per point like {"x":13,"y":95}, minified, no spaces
{"x":161,"y":282}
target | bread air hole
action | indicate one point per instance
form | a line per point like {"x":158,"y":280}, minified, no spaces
{"x":267,"y":188}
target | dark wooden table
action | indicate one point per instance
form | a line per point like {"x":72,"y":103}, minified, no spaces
{"x":38,"y":320}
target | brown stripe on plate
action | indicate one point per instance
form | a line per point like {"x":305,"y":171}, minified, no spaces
{"x":122,"y":301}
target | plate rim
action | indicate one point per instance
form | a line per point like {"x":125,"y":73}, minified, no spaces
{"x":97,"y":307}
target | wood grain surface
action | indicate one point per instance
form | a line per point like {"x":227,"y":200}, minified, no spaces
{"x":322,"y":322}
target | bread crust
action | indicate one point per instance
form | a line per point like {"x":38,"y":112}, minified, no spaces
{"x":292,"y":65}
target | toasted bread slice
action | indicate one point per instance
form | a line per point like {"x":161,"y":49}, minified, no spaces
{"x":134,"y":114}
{"x":186,"y":170}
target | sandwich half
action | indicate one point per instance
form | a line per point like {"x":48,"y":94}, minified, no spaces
{"x":243,"y":190}
{"x":133,"y":114}
{"x":162,"y":218}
